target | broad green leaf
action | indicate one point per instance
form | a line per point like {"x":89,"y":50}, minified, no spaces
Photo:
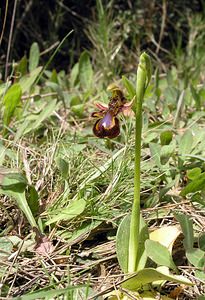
{"x":7,"y":243}
{"x":13,"y":185}
{"x":85,"y":71}
{"x":155,"y":153}
{"x":84,"y":230}
{"x":63,"y":167}
{"x":122,"y":244}
{"x":34,"y":56}
{"x":129,"y":86}
{"x":159,"y":254}
{"x":33,"y":199}
{"x":199,"y":157}
{"x":77,"y":148}
{"x":15,"y":240}
{"x":53,"y":76}
{"x":201,"y":241}
{"x":166,"y":152}
{"x":166,"y":137}
{"x":21,"y":128}
{"x":199,"y":141}
{"x":22,"y":245}
{"x":78,"y":110}
{"x":160,"y":283}
{"x":10,"y":180}
{"x":193,"y":173}
{"x":74,"y":209}
{"x":185,"y":143}
{"x":149,"y":275}
{"x":22,"y":204}
{"x":6,"y":247}
{"x":11,"y":101}
{"x":22,"y":66}
{"x":56,"y":88}
{"x":186,"y":224}
{"x":164,"y":190}
{"x":3,"y":151}
{"x":149,"y":137}
{"x":196,"y":185}
{"x":196,"y":96}
{"x":143,"y":236}
{"x":200,"y":274}
{"x":196,"y":257}
{"x":171,"y":96}
{"x":44,"y":114}
{"x":74,"y":75}
{"x":27,"y":81}
{"x":75,"y":100}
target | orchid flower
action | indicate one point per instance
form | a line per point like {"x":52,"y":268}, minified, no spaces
{"x":108,"y":124}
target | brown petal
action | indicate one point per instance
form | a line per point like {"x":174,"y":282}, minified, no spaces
{"x":101,"y":106}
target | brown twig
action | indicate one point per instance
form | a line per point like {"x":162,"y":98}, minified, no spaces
{"x":164,"y":15}
{"x":4,"y":21}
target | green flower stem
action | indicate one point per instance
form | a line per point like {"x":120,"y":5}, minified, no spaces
{"x":143,"y":77}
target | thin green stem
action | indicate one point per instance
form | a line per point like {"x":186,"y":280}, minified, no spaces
{"x":52,"y":56}
{"x":143,"y":76}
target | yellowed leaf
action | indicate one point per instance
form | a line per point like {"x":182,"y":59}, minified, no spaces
{"x":166,"y":236}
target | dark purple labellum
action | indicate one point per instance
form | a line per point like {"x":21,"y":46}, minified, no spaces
{"x":109,"y":129}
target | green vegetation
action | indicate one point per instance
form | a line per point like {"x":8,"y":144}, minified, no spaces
{"x":67,"y":196}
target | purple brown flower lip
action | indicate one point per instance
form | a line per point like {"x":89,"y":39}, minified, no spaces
{"x":108,"y":124}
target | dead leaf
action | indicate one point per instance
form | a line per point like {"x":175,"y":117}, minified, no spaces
{"x":44,"y":246}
